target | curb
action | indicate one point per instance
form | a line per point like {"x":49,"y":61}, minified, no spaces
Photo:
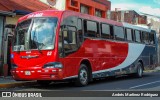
{"x":155,"y":70}
{"x":17,"y":84}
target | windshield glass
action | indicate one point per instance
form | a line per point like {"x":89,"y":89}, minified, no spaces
{"x":36,"y":33}
{"x":20,"y":35}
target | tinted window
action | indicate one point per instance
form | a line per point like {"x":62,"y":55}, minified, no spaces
{"x":137,"y":36}
{"x":90,"y":28}
{"x":21,"y":35}
{"x":145,"y":37}
{"x":67,"y":41}
{"x":98,"y":13}
{"x":152,"y":38}
{"x":119,"y":33}
{"x":80,"y":33}
{"x":105,"y":31}
{"x":84,"y":9}
{"x":129,"y":35}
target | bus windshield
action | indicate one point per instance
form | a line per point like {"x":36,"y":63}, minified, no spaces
{"x":35,"y":33}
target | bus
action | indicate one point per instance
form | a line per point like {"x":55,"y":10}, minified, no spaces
{"x":54,"y":45}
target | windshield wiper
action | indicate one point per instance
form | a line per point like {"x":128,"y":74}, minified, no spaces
{"x":35,"y":37}
{"x":36,"y":42}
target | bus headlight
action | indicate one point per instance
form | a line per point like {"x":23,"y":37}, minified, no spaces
{"x":53,"y":65}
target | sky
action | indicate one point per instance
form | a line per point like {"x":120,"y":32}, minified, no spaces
{"x":145,"y":6}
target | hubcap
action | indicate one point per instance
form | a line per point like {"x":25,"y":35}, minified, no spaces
{"x":83,"y":76}
{"x":140,"y":71}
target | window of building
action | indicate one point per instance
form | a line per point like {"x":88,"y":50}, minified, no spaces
{"x":119,"y":33}
{"x":98,"y":13}
{"x":129,"y":35}
{"x":84,"y":9}
{"x":74,"y":3}
{"x":145,"y":37}
{"x":137,"y":36}
{"x":105,"y":31}
{"x":90,"y":28}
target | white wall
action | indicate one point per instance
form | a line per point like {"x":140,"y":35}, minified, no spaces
{"x":60,"y":4}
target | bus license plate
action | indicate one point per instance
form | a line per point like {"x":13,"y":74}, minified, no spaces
{"x":27,"y":73}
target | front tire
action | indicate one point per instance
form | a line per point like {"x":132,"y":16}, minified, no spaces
{"x":83,"y":76}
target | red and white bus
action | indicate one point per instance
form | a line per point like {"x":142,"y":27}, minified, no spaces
{"x":62,"y":45}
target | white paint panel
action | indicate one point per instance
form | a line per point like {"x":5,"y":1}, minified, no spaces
{"x":60,"y":4}
{"x":135,"y":27}
{"x":135,"y":51}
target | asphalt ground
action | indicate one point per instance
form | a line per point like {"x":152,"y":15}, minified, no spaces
{"x":149,"y":82}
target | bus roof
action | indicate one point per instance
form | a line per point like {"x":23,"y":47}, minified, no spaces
{"x":127,"y":25}
{"x":108,"y":21}
{"x":81,"y":15}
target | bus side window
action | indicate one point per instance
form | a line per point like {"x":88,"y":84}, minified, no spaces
{"x":90,"y":28}
{"x":80,"y":32}
{"x":70,"y":40}
{"x":67,"y":41}
{"x":145,"y":37}
{"x":60,"y":49}
{"x":105,"y":31}
{"x":111,"y":32}
{"x":152,"y":38}
{"x":137,"y":36}
{"x":119,"y":33}
{"x":129,"y":34}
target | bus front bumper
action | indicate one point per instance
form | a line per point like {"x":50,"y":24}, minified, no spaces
{"x":37,"y":74}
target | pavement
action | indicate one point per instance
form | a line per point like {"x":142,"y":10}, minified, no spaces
{"x":9,"y":82}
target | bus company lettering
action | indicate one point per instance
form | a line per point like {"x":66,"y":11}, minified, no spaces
{"x":36,"y":15}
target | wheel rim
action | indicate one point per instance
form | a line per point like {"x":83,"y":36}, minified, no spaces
{"x":140,"y":71}
{"x":83,"y":76}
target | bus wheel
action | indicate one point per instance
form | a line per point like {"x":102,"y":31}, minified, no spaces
{"x":43,"y":83}
{"x":83,"y":76}
{"x":139,"y":72}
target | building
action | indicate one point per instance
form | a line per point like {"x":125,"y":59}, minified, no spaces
{"x":3,"y":15}
{"x":153,"y":22}
{"x":128,"y":16}
{"x":100,"y":8}
{"x":10,"y":11}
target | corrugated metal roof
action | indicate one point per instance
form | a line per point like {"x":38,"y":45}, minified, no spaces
{"x":23,"y":5}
